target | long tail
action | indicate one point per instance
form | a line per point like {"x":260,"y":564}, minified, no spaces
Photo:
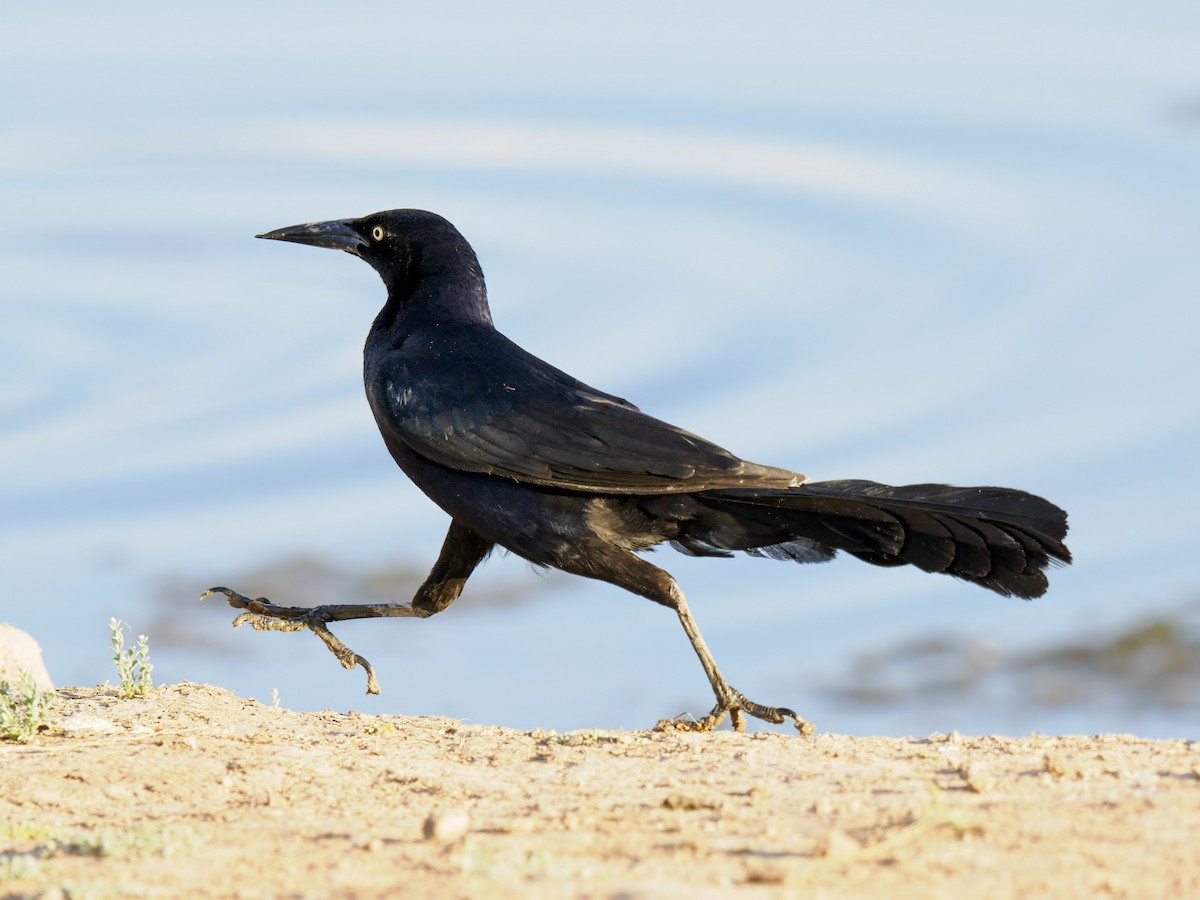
{"x":999,"y":538}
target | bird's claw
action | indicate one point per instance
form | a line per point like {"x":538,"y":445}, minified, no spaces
{"x":737,"y":706}
{"x":263,"y":615}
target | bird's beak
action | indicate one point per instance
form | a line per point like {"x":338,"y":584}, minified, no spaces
{"x":336,"y":235}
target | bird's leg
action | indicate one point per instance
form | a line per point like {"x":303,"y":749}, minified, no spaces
{"x":729,"y":700}
{"x":462,"y":551}
{"x":263,"y":615}
{"x":602,"y":560}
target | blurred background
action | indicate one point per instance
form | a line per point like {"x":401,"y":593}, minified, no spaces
{"x":929,"y":242}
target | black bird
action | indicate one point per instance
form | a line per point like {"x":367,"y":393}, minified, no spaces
{"x":525,"y":457}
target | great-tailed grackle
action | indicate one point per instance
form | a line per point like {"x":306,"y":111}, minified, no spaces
{"x":523,"y":456}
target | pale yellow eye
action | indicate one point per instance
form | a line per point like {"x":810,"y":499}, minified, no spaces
{"x":377,"y":233}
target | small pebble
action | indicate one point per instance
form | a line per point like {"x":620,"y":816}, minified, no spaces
{"x":1054,"y":764}
{"x":978,"y":777}
{"x":445,"y":825}
{"x":837,"y":845}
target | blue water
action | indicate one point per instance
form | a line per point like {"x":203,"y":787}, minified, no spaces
{"x":931,"y":243}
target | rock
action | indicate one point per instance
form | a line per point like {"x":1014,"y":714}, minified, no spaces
{"x":18,"y":650}
{"x":85,"y":723}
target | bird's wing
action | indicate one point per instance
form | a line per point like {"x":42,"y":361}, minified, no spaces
{"x":498,"y":410}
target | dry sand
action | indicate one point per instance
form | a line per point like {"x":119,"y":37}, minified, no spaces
{"x":194,"y":792}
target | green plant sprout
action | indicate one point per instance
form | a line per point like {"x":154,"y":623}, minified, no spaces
{"x":133,"y":666}
{"x":23,"y":709}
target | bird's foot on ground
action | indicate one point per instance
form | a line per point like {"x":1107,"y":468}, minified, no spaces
{"x":263,"y":615}
{"x":738,"y":707}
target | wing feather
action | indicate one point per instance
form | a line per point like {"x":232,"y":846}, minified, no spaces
{"x":493,"y":408}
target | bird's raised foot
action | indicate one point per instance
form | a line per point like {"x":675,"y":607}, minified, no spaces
{"x":263,"y":615}
{"x":263,"y":607}
{"x":737,"y":706}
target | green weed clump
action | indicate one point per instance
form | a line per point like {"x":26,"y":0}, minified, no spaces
{"x":144,"y":841}
{"x":133,"y":665}
{"x":23,"y":708}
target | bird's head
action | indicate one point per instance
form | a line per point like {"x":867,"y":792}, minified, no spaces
{"x":418,"y":254}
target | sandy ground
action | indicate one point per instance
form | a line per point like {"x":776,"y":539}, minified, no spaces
{"x":193,"y":791}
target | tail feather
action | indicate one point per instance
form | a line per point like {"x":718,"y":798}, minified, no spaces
{"x":930,"y":541}
{"x":999,"y":538}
